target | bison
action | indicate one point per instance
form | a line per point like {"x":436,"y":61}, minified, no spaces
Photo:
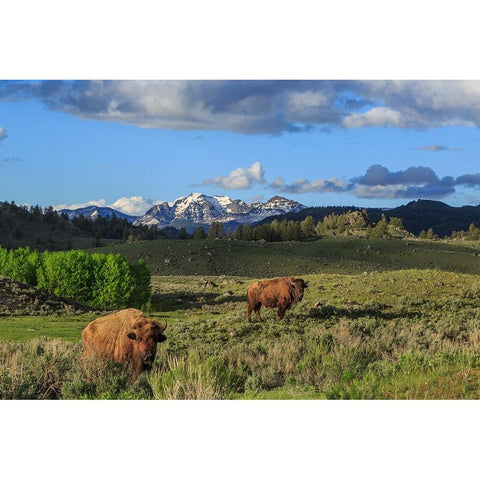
{"x":124,"y":337}
{"x":278,"y":292}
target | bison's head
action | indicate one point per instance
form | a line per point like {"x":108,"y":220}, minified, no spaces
{"x":145,"y":335}
{"x":297,"y":288}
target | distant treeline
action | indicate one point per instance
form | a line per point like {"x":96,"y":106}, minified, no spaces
{"x":99,"y":280}
{"x":46,"y":229}
{"x":357,"y":223}
{"x":349,"y":223}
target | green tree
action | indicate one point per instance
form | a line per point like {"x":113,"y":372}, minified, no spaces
{"x":199,"y":234}
{"x":308,"y":226}
{"x":141,"y":289}
{"x":182,"y":234}
{"x":247,"y":232}
{"x":380,"y":230}
{"x":238,"y":234}
{"x":113,"y":281}
{"x":396,"y":223}
{"x":473,"y":232}
{"x":215,"y":230}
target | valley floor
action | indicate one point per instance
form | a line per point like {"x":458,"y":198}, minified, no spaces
{"x":399,"y":334}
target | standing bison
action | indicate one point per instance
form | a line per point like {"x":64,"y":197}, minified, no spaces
{"x":279,"y":292}
{"x":125,"y":337}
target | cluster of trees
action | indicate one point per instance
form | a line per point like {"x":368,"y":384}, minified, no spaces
{"x":349,"y":223}
{"x":46,"y":229}
{"x":473,"y":233}
{"x":115,"y":228}
{"x":99,"y":280}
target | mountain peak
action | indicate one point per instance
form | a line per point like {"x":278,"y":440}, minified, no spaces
{"x":199,"y":209}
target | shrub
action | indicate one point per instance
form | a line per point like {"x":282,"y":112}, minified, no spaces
{"x":35,"y":370}
{"x":95,"y":378}
{"x":98,"y":280}
{"x":195,"y":378}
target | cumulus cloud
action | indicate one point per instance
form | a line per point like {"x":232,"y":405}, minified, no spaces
{"x":379,"y":175}
{"x":379,"y":182}
{"x":98,"y":203}
{"x":136,"y":205}
{"x":305,"y":186}
{"x":3,"y":134}
{"x":403,"y":191}
{"x":414,"y":182}
{"x":240,"y":178}
{"x":378,"y":116}
{"x":259,"y":107}
{"x":470,"y":180}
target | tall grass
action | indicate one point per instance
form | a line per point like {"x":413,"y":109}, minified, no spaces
{"x":386,"y":335}
{"x":35,"y":370}
{"x":194,"y":377}
{"x":44,"y":369}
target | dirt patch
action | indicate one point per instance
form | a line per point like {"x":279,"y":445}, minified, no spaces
{"x":22,"y":299}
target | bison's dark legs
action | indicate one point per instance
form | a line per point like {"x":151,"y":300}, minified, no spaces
{"x":281,"y":311}
{"x":257,"y":312}
{"x":256,"y":309}
{"x":249,"y":312}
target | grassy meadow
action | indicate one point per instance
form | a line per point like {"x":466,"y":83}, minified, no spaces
{"x":381,"y":319}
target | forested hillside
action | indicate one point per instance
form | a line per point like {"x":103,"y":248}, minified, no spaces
{"x":45,"y":229}
{"x":416,"y":216}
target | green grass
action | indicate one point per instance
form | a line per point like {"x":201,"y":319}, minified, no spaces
{"x":25,"y":328}
{"x":384,"y":332}
{"x":345,"y":255}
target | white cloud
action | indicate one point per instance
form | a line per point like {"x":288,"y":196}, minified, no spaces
{"x":379,"y":191}
{"x":73,"y":206}
{"x":305,"y":186}
{"x":240,"y":178}
{"x":379,"y":116}
{"x":136,"y":205}
{"x":260,"y":107}
{"x":278,"y":182}
{"x":3,"y":133}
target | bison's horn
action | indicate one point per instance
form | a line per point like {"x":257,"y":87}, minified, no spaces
{"x":164,"y":326}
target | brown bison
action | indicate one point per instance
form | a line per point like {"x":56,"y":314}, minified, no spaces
{"x":279,"y":292}
{"x":125,"y":337}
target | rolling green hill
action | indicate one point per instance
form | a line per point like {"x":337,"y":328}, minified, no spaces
{"x":330,"y":255}
{"x":380,"y":319}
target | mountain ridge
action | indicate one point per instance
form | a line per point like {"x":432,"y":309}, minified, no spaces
{"x":197,"y":209}
{"x":93,"y":211}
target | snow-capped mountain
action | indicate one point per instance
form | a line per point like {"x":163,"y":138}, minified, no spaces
{"x":92,"y":212}
{"x":199,"y":209}
{"x":196,"y":209}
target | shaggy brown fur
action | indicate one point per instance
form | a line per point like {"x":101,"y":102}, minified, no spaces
{"x":125,"y":337}
{"x":277,"y":293}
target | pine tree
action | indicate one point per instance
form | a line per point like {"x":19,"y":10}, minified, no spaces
{"x":308,"y":226}
{"x":199,"y":234}
{"x":182,"y":234}
{"x":247,"y":232}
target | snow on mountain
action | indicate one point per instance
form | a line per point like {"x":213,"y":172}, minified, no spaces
{"x":197,"y":208}
{"x":92,"y":212}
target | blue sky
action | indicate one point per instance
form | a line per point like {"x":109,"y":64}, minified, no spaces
{"x":130,"y":144}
